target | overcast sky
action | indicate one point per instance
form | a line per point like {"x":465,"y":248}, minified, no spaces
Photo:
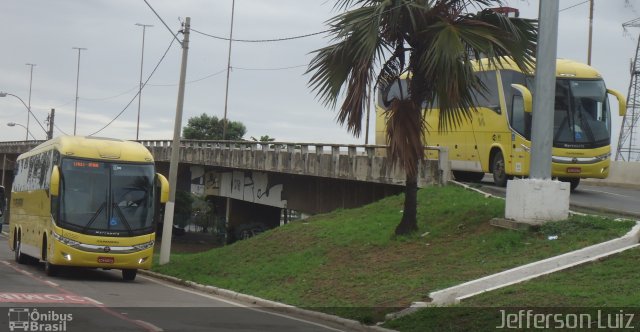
{"x":275,"y":102}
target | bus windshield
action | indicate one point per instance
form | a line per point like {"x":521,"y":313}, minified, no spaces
{"x":105,"y":198}
{"x":581,"y":117}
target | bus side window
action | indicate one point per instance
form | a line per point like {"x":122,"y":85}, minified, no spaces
{"x":487,"y":98}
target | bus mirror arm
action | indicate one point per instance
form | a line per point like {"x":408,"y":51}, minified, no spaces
{"x":164,"y":188}
{"x":622,"y":103}
{"x":54,"y":185}
{"x":526,"y":96}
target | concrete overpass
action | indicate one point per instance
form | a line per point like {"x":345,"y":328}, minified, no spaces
{"x":259,"y":180}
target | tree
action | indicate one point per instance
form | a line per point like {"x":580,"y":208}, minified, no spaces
{"x":183,"y":207}
{"x":264,"y":138}
{"x":206,"y":127}
{"x":434,"y":41}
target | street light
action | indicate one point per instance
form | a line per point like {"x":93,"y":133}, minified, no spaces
{"x":226,"y":91}
{"x":13,"y":124}
{"x":75,"y":115}
{"x":4,"y":94}
{"x":29,"y":104}
{"x":144,"y":28}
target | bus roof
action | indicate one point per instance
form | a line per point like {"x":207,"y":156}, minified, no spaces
{"x":564,"y":68}
{"x":94,"y":148}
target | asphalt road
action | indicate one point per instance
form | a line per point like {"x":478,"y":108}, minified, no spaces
{"x":608,"y":200}
{"x":98,"y":300}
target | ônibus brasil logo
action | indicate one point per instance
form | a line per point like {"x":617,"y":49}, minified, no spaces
{"x":32,"y":320}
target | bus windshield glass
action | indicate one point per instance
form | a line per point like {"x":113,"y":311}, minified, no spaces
{"x":105,"y":198}
{"x":581,"y":117}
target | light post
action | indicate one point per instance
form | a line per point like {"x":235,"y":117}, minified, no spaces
{"x":226,"y":92}
{"x":75,"y":115}
{"x":144,"y":28}
{"x":29,"y":100}
{"x":13,"y":124}
{"x":4,"y":94}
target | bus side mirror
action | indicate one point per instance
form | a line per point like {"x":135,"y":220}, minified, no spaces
{"x":622,"y":103}
{"x":54,"y":185}
{"x":164,"y":188}
{"x":527,"y":99}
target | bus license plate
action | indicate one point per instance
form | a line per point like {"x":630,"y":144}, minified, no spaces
{"x":106,"y":260}
{"x":574,"y":170}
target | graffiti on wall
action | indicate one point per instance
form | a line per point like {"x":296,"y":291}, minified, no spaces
{"x":252,"y":187}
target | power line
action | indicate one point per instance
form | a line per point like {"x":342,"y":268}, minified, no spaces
{"x":145,"y":84}
{"x":112,"y":97}
{"x":193,"y":81}
{"x":165,"y":24}
{"x":223,"y":70}
{"x":576,"y":5}
{"x":60,"y":130}
{"x":270,"y":69}
{"x":260,"y":40}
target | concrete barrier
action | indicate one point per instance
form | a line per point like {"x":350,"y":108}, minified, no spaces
{"x":621,"y":174}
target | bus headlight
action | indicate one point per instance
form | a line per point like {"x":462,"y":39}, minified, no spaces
{"x":144,"y":246}
{"x":65,"y":240}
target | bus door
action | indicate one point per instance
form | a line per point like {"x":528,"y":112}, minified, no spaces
{"x":520,"y":121}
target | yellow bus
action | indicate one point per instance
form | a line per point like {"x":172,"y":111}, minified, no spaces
{"x":86,"y":202}
{"x":497,"y":137}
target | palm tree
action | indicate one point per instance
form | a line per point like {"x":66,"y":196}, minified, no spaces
{"x":377,"y":41}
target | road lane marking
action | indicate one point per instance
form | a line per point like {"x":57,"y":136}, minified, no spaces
{"x":51,"y":283}
{"x":606,"y":192}
{"x":213,"y":297}
{"x":150,"y":326}
{"x":91,"y":301}
{"x":43,"y":298}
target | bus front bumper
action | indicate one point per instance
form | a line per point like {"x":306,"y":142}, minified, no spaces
{"x":598,"y":170}
{"x":62,"y":254}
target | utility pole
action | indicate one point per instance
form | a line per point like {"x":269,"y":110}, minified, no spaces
{"x":545,"y":90}
{"x":539,"y":199}
{"x":226,"y":93}
{"x":167,"y":229}
{"x":75,"y":116}
{"x":29,"y":100}
{"x":51,"y":123}
{"x":590,"y":32}
{"x":366,"y":126}
{"x":144,"y":28}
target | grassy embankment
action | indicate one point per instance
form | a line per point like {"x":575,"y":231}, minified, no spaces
{"x":348,"y":262}
{"x":607,"y":285}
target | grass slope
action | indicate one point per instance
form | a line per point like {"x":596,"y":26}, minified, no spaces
{"x":348,"y":262}
{"x":604,"y":288}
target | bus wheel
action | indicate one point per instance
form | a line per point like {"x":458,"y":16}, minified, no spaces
{"x":17,"y":249}
{"x":50,"y":269}
{"x":574,"y":182}
{"x":129,"y":274}
{"x":497,"y":166}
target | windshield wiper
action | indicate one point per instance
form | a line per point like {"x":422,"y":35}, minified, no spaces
{"x":122,"y":217}
{"x":95,"y":216}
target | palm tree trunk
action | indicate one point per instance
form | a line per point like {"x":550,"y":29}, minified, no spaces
{"x":409,"y":222}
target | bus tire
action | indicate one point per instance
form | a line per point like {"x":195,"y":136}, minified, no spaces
{"x":500,"y":176}
{"x":573,"y":182}
{"x":49,"y":269}
{"x":129,"y":274}
{"x":17,"y":249}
